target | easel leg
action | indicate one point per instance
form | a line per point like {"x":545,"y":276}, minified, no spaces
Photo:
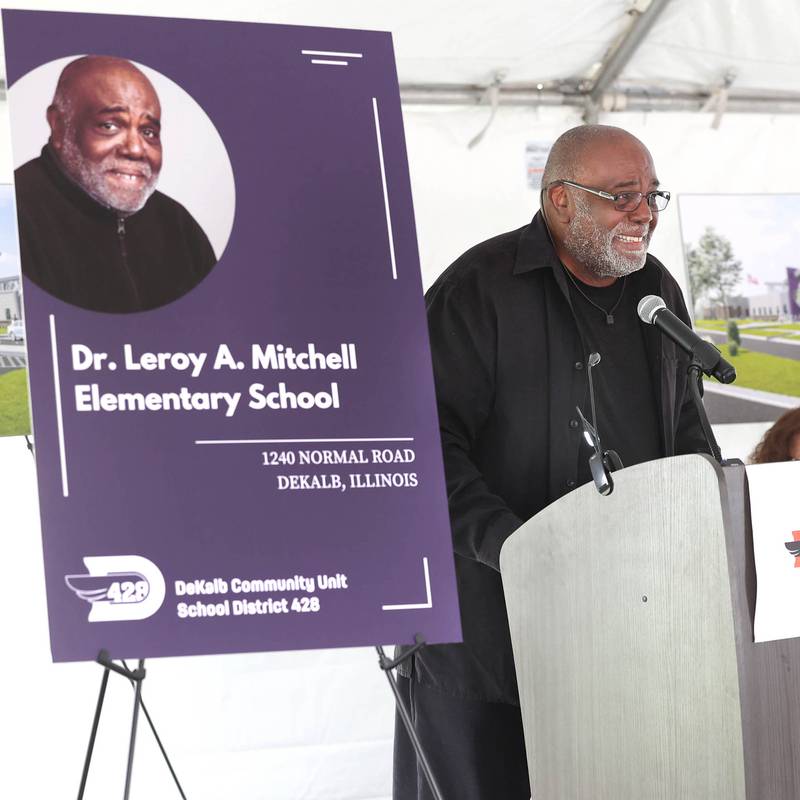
{"x":387,"y":665}
{"x":93,"y":734}
{"x":136,"y":677}
{"x":161,"y":748}
{"x":153,"y":729}
{"x":136,"y":703}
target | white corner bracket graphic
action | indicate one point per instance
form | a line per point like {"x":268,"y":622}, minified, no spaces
{"x":408,"y":606}
{"x":339,"y":60}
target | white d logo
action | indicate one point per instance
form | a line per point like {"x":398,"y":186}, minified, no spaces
{"x":119,"y":587}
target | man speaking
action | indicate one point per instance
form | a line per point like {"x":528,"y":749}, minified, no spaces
{"x":94,"y":231}
{"x":512,"y":323}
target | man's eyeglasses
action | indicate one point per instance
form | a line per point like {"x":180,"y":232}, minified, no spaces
{"x":626,"y":201}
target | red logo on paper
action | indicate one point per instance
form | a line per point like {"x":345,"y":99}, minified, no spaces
{"x":794,"y":548}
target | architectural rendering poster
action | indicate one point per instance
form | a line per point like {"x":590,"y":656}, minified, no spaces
{"x":743,"y":262}
{"x":232,"y":396}
{"x":14,"y":416}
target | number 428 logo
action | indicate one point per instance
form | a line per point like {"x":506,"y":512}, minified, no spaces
{"x":119,"y":587}
{"x":128,"y":591}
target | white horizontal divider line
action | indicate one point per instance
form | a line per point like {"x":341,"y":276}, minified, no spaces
{"x":408,"y":606}
{"x":333,"y":63}
{"x":330,"y":53}
{"x":305,"y":441}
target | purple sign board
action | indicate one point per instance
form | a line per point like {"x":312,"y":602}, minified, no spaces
{"x":232,"y":396}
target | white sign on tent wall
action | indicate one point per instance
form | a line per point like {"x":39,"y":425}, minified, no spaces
{"x":775,"y":516}
{"x":535,"y":158}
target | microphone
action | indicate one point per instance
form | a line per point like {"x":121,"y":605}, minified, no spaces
{"x":653,"y":311}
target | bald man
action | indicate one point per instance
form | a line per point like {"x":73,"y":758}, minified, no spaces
{"x":94,"y":231}
{"x":512,"y":323}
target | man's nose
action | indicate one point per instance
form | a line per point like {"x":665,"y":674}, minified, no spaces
{"x":132,"y":145}
{"x":643,"y":214}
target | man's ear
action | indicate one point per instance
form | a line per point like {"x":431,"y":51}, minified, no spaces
{"x":55,"y":119}
{"x":559,"y":202}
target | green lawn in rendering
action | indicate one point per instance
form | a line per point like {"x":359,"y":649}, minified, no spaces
{"x":765,"y":372}
{"x":768,"y":330}
{"x":713,"y":324}
{"x":771,"y":333}
{"x":14,"y":418}
{"x":787,"y":326}
{"x":722,"y":325}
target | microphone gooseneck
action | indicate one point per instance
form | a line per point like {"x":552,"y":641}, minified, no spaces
{"x":594,"y":360}
{"x":602,"y":462}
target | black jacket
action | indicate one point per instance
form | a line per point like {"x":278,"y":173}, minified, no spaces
{"x":85,"y":254}
{"x":509,"y":369}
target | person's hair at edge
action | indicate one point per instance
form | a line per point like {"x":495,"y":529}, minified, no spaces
{"x":776,"y":443}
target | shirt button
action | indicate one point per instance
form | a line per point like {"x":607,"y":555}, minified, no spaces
{"x":578,"y":365}
{"x":570,"y":484}
{"x":573,"y":423}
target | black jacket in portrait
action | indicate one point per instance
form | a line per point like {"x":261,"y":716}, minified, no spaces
{"x":509,"y":358}
{"x":87,"y":255}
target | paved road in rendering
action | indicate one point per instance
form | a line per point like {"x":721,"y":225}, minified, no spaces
{"x":12,"y":356}
{"x":725,"y":404}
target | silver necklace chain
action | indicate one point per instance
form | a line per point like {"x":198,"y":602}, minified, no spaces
{"x":609,"y":314}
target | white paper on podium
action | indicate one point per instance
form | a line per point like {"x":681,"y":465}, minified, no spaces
{"x":775,"y":515}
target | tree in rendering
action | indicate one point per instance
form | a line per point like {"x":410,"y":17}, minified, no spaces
{"x":714,"y":272}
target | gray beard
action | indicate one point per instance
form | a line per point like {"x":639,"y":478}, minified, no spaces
{"x":593,"y":246}
{"x":91,"y":177}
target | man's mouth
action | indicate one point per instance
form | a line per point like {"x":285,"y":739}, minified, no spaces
{"x":127,"y":177}
{"x":635,"y":245}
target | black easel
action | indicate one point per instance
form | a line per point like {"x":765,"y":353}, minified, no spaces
{"x":135,"y":676}
{"x":387,"y":665}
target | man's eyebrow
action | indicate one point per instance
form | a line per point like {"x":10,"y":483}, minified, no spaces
{"x":120,"y":109}
{"x":634,"y":183}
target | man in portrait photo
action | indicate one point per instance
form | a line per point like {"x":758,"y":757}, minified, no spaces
{"x":94,"y":231}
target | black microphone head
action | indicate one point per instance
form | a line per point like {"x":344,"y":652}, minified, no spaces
{"x":648,"y":306}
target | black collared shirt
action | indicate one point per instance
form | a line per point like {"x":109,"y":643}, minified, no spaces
{"x":510,"y":367}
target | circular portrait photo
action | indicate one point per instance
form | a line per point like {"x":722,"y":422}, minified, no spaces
{"x":125,"y":192}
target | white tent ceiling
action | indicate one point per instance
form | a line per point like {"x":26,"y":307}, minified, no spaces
{"x":691,"y":45}
{"x":450,"y":45}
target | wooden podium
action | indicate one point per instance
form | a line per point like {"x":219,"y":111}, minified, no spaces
{"x":631,"y":618}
